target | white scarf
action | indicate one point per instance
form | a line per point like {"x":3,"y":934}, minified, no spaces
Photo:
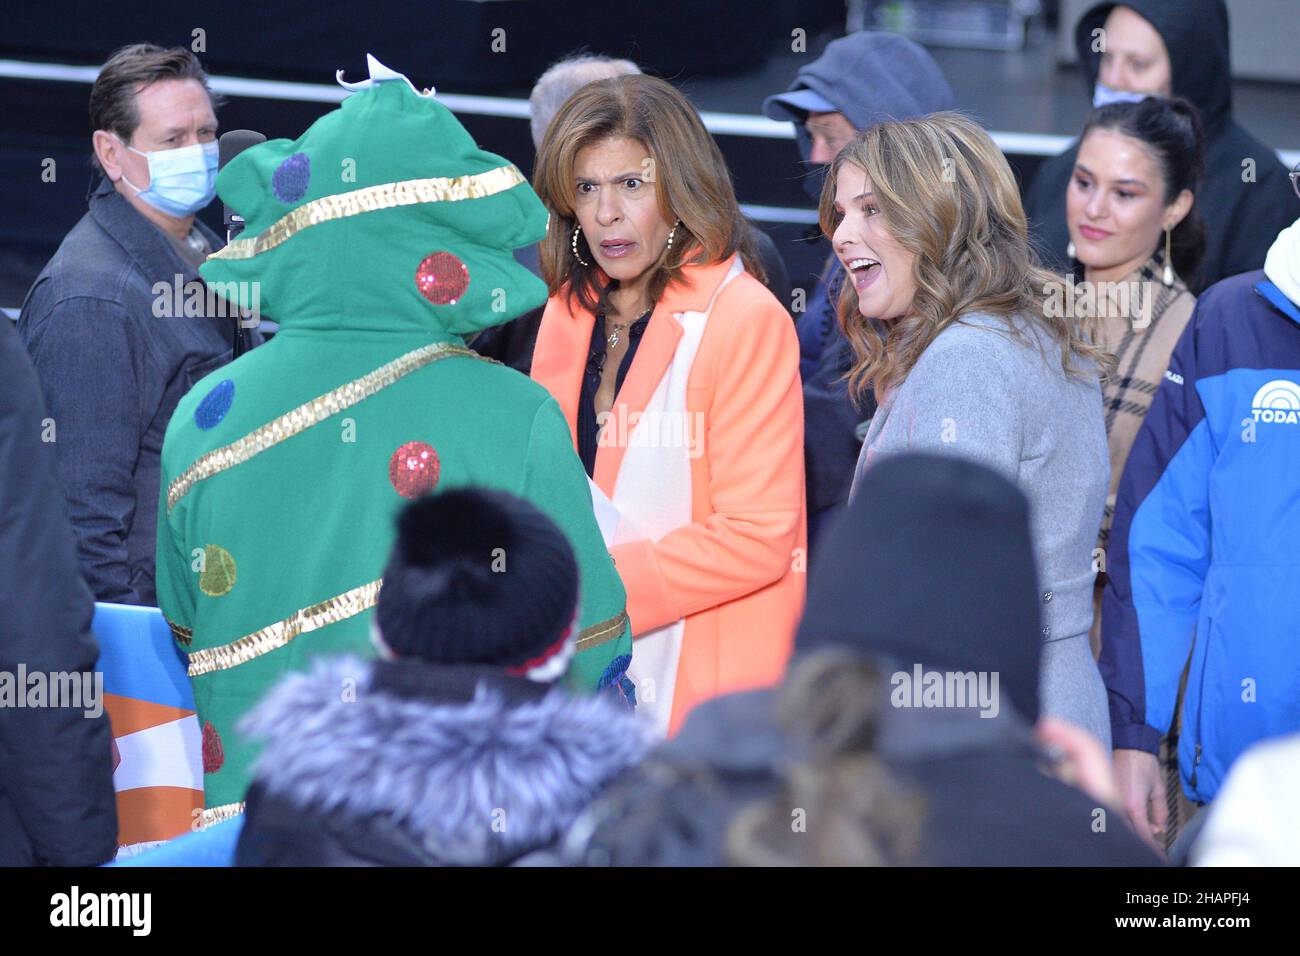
{"x":1282,"y":265}
{"x":652,"y":497}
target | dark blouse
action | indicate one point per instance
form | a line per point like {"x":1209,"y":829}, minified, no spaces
{"x":588,"y":427}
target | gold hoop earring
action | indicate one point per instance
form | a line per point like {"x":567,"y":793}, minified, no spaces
{"x":574,"y":246}
{"x":1169,"y":258}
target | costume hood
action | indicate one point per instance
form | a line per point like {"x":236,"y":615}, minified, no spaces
{"x":383,"y":215}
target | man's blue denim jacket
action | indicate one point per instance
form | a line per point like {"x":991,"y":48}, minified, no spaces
{"x":114,"y":358}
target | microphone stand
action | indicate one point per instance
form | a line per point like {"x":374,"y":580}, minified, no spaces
{"x":232,"y":144}
{"x":240,"y":344}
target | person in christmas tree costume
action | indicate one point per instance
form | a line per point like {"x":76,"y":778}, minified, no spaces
{"x":378,"y":240}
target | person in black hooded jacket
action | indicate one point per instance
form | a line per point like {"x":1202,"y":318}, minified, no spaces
{"x":457,"y":747}
{"x":57,"y":806}
{"x":1244,"y":204}
{"x":931,"y":567}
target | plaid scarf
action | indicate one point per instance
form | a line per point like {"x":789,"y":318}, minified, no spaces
{"x":1141,"y":323}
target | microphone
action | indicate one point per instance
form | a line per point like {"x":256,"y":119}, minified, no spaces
{"x":229,"y":146}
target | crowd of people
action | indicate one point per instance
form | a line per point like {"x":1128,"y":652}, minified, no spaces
{"x":545,"y":530}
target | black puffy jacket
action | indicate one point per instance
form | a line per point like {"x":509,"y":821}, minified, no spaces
{"x":931,"y":564}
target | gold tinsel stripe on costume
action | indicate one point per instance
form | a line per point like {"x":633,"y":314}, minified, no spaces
{"x":214,"y":815}
{"x":241,"y":651}
{"x":598,"y":634}
{"x":183,"y":634}
{"x":408,"y":192}
{"x":306,"y":415}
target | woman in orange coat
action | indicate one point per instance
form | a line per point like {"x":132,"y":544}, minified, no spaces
{"x":679,"y":375}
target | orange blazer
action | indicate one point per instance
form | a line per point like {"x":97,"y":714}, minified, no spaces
{"x":737,"y":572}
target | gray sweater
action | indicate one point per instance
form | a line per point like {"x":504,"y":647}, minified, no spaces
{"x":979,"y":392}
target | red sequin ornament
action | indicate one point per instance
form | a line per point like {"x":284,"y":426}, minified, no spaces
{"x":414,"y":469}
{"x":214,"y":755}
{"x":442,"y":278}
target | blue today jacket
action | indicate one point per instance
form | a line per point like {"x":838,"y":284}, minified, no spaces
{"x":1205,"y":548}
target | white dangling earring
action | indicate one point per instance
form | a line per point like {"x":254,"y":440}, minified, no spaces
{"x":1169,"y":261}
{"x":1069,"y":250}
{"x":669,"y":248}
{"x":574,"y":246}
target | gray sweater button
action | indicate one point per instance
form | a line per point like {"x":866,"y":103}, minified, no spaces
{"x":1047,"y":596}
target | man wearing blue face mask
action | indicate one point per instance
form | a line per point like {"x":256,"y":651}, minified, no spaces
{"x":119,"y":323}
{"x":1179,"y":48}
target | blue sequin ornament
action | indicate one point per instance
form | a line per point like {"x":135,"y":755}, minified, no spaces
{"x":215,"y":404}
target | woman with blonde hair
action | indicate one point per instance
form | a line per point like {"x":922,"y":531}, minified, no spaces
{"x":679,"y":375}
{"x":950,"y":321}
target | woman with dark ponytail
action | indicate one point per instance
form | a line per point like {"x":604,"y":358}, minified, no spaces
{"x":1138,"y":239}
{"x":1171,"y":137}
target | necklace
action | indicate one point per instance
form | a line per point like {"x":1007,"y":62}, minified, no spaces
{"x":614,"y":337}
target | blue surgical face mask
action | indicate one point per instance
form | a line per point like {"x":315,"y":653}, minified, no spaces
{"x":181,"y":181}
{"x":1103,"y":95}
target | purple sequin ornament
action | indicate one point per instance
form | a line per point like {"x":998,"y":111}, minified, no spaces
{"x":291,"y":178}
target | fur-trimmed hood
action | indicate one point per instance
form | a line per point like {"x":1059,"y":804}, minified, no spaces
{"x":463,"y":765}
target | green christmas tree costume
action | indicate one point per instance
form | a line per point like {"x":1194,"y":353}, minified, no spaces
{"x":378,"y":240}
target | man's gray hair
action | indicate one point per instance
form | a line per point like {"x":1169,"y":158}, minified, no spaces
{"x":565,"y":78}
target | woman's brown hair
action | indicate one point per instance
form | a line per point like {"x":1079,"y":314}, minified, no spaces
{"x":690,"y":178}
{"x":949,"y":197}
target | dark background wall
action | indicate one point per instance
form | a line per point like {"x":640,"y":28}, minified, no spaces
{"x":727,"y":55}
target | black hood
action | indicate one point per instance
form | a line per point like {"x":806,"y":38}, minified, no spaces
{"x":1195,"y":34}
{"x":933,"y":564}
